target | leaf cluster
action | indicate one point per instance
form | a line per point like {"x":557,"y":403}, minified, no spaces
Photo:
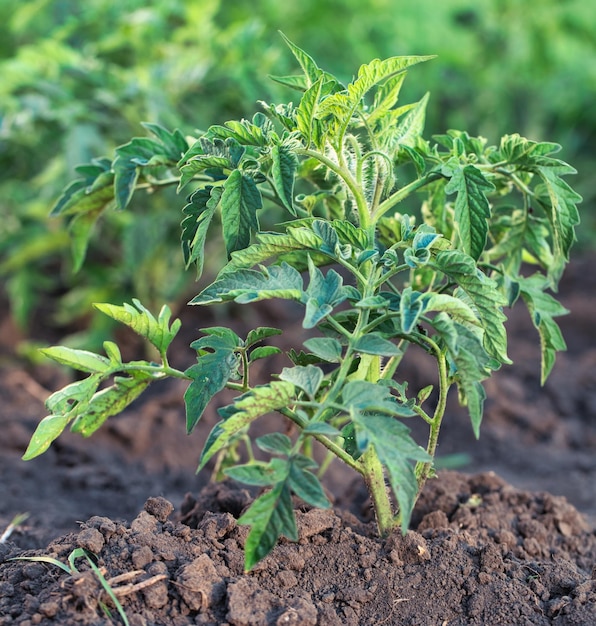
{"x":330,"y":173}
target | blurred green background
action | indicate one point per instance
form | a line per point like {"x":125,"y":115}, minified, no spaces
{"x":76,"y":80}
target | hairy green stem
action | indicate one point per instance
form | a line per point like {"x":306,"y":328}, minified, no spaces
{"x":423,"y":469}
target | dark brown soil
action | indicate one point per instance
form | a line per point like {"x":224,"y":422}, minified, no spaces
{"x":481,"y":550}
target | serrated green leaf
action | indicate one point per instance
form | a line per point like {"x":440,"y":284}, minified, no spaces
{"x":411,"y":307}
{"x":260,"y":333}
{"x":374,"y":343}
{"x":268,"y":246}
{"x":324,"y":292}
{"x":342,"y":105}
{"x":325,"y":348}
{"x":396,"y":450}
{"x":278,"y":281}
{"x":306,"y":122}
{"x":485,"y":295}
{"x":305,"y":484}
{"x":248,"y":407}
{"x":129,"y":159}
{"x":80,"y":229}
{"x":543,"y":308}
{"x":89,"y":194}
{"x":270,"y":516}
{"x":48,"y":430}
{"x":454,"y":307}
{"x":562,"y":212}
{"x":243,"y":131}
{"x":262,"y":352}
{"x":239,"y":203}
{"x":111,"y":401}
{"x":257,"y":473}
{"x":307,"y":63}
{"x":158,"y":332}
{"x":174,"y":143}
{"x":363,"y":396}
{"x":80,"y":360}
{"x":472,"y":210}
{"x":199,"y":212}
{"x":308,"y":378}
{"x":73,"y":398}
{"x":407,"y":132}
{"x":283,"y":171}
{"x":217,"y":362}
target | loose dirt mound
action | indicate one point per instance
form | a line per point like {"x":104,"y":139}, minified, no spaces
{"x":482,"y":553}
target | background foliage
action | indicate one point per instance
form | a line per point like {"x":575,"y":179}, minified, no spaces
{"x":78,"y":78}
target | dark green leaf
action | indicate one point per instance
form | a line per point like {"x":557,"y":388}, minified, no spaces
{"x":210,"y":374}
{"x":258,"y":334}
{"x":239,"y":203}
{"x":543,"y":308}
{"x":270,"y":516}
{"x":483,"y":293}
{"x":305,"y":484}
{"x":471,"y":208}
{"x":199,"y":212}
{"x":283,"y":171}
{"x":262,"y":352}
{"x":278,"y":281}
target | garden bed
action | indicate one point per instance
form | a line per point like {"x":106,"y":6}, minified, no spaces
{"x":510,"y":541}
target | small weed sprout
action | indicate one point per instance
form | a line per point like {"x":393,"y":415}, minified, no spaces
{"x":430,"y":237}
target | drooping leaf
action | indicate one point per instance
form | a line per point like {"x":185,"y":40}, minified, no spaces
{"x":305,"y":484}
{"x":111,"y":401}
{"x":278,"y":281}
{"x":239,"y":203}
{"x":472,"y":209}
{"x":484,"y":294}
{"x":248,"y":407}
{"x":49,"y":429}
{"x":199,"y":212}
{"x":411,"y":307}
{"x":270,"y":516}
{"x":217,"y":362}
{"x":543,"y":308}
{"x":93,"y":192}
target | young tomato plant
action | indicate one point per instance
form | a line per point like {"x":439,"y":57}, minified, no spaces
{"x":337,"y":167}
